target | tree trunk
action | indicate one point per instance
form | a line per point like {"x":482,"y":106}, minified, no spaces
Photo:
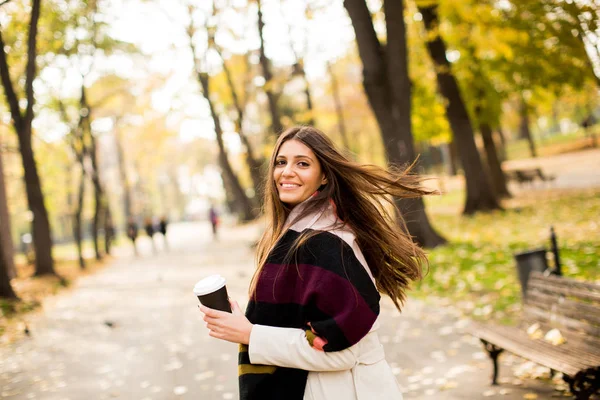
{"x":6,"y":290}
{"x":388,"y":92}
{"x":402,"y":151}
{"x":494,"y":164}
{"x":42,"y":241}
{"x":525,"y":131}
{"x":246,"y":211}
{"x":480,"y":195}
{"x":6,"y":243}
{"x":108,"y":229}
{"x":454,"y":161}
{"x":98,"y":220}
{"x":276,"y":126}
{"x":254,"y":164}
{"x":338,"y":107}
{"x":92,"y":153}
{"x":77,"y":217}
{"x":127,"y":205}
{"x":502,"y":152}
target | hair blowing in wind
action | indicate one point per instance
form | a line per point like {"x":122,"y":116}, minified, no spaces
{"x":360,"y":193}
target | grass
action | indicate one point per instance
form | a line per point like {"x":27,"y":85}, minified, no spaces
{"x":477,"y":272}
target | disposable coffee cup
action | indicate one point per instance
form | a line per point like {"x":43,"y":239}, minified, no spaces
{"x":212,"y":293}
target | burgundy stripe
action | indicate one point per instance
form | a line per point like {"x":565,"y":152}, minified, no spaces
{"x":332,"y":294}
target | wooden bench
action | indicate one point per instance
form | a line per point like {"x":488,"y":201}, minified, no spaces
{"x":573,"y":308}
{"x":528,"y":175}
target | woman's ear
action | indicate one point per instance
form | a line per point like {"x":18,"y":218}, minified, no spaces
{"x":324,"y":180}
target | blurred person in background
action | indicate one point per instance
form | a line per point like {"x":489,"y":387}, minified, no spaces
{"x":213,"y":216}
{"x":132,"y":232}
{"x":149,"y":228}
{"x":162,"y":228}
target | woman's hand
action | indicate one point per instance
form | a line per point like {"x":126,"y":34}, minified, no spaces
{"x":233,"y":327}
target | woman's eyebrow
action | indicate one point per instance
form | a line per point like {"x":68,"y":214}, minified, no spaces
{"x":298,"y":156}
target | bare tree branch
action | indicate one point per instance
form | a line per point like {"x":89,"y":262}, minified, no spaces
{"x":9,"y":91}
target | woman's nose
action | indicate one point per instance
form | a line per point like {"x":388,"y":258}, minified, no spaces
{"x":287,"y":171}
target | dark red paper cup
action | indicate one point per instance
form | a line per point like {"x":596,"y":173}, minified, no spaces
{"x":212,"y":293}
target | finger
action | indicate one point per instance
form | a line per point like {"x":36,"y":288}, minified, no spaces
{"x":212,"y":328}
{"x":216,"y":321}
{"x":207,"y":311}
{"x":215,"y":334}
{"x":215,"y":325}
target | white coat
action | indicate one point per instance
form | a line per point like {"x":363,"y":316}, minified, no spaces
{"x":359,"y":372}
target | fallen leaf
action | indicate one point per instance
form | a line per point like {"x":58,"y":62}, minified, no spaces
{"x":555,"y":337}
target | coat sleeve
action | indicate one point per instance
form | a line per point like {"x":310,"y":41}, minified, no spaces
{"x":290,"y":348}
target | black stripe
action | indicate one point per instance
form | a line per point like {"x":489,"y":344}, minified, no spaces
{"x":243,"y":358}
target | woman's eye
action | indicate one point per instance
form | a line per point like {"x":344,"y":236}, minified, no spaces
{"x":280,"y":162}
{"x":303,"y":164}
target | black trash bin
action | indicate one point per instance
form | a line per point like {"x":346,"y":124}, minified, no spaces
{"x":534,"y":260}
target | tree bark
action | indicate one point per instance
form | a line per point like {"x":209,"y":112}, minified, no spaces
{"x":108,"y":229}
{"x":480,"y":195}
{"x":6,"y":243}
{"x":99,"y":198}
{"x":244,"y":206}
{"x":77,"y":144}
{"x":339,"y":111}
{"x":42,"y":241}
{"x":493,"y":161}
{"x":127,"y":204}
{"x":502,"y":152}
{"x":77,"y":216}
{"x":524,"y":130}
{"x":6,"y":290}
{"x":272,"y":95}
{"x":92,"y":153}
{"x":388,"y":90}
{"x":254,"y":164}
{"x":454,"y":161}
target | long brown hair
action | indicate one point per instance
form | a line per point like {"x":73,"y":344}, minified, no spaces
{"x":360,"y":193}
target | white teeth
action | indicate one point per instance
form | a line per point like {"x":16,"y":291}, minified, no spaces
{"x":288,"y":185}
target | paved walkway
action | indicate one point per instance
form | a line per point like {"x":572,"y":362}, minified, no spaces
{"x":576,"y":170}
{"x":133,"y":331}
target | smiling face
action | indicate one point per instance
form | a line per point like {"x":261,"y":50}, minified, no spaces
{"x":297,"y":172}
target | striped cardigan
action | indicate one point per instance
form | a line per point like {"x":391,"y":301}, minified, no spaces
{"x":325,"y":289}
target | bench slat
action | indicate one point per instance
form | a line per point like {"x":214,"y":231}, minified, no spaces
{"x":563,"y":358}
{"x":578,"y":352}
{"x":571,"y":309}
{"x":562,"y":281}
{"x":547,"y":286}
{"x":568,"y":323}
{"x":575,"y":339}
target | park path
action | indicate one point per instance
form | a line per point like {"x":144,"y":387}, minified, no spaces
{"x":575,"y":170}
{"x":133,"y":331}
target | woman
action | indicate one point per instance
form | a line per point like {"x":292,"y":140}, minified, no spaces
{"x":330,"y":248}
